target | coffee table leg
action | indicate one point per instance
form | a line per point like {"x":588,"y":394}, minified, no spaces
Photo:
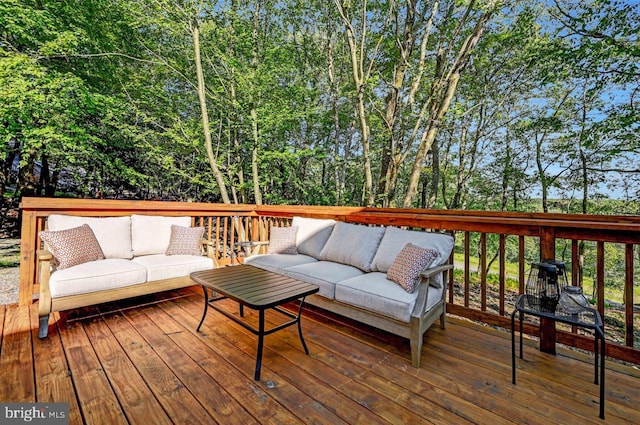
{"x":206,"y":307}
{"x":260,"y":344}
{"x":304,"y":345}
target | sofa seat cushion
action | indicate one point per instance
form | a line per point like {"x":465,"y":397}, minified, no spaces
{"x":96,"y":276}
{"x":278,"y":262}
{"x":352,"y":244}
{"x":325,"y":274}
{"x":161,"y":266}
{"x":374,"y":292}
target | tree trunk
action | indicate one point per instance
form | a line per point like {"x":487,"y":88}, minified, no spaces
{"x":359,"y":79}
{"x":392,"y":155}
{"x":255,"y":169}
{"x":443,"y":91}
{"x":195,"y":32}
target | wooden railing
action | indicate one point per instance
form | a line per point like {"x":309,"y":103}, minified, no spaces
{"x":481,"y":300}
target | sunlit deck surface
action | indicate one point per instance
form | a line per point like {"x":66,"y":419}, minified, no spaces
{"x":142,"y":361}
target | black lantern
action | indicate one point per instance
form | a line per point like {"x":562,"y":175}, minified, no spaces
{"x":547,"y":280}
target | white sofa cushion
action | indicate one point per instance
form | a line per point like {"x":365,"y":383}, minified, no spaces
{"x":313,"y":234}
{"x":278,"y":262}
{"x":325,"y":274}
{"x":395,"y":239}
{"x":374,"y":292}
{"x":352,"y":244}
{"x":113,"y":233}
{"x":150,"y":234}
{"x":96,"y":276}
{"x":161,"y":266}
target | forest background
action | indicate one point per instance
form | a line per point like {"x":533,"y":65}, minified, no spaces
{"x":515,"y":105}
{"x":457,"y":104}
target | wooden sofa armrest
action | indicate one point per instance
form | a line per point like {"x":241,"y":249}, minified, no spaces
{"x":208,"y":249}
{"x":426,"y":274}
{"x":45,"y":259}
{"x":423,"y":288}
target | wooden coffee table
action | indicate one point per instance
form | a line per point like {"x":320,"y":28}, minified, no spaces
{"x":257,"y":289}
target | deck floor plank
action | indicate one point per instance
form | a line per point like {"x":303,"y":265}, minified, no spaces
{"x":136,"y":399}
{"x":158,"y":328}
{"x":142,"y":361}
{"x":237,"y":378}
{"x":177,"y":401}
{"x":382,"y":404}
{"x":545,"y":379}
{"x":53,"y":380}
{"x":274,"y":358}
{"x":96,"y":398}
{"x":17,"y":381}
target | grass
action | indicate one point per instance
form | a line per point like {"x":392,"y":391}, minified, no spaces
{"x":9,"y":253}
{"x":512,"y":270}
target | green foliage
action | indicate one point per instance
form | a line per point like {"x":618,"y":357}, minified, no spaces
{"x":105,"y":96}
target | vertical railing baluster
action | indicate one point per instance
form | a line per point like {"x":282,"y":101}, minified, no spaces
{"x":628,"y":296}
{"x":483,"y":271}
{"x":522,"y":264}
{"x":467,"y":288}
{"x":600,"y":277}
{"x":503,"y":274}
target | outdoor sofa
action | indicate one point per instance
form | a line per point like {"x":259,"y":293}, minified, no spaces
{"x":390,"y":278}
{"x":92,"y":260}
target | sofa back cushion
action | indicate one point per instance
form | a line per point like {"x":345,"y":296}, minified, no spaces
{"x":150,"y":234}
{"x":113,"y":233}
{"x":395,"y":239}
{"x":352,"y":244}
{"x":312,"y":235}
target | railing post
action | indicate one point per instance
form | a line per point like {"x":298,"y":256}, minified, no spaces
{"x":547,"y":326}
{"x":28,"y":237}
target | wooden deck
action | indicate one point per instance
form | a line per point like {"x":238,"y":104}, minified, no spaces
{"x":143,"y":362}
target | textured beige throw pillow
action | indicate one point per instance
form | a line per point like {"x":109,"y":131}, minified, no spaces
{"x":185,"y":240}
{"x":410,"y":262}
{"x":73,"y":246}
{"x":282,"y":240}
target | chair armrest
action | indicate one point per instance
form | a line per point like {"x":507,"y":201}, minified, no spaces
{"x":208,"y":249}
{"x":45,"y":258}
{"x":251,"y":247}
{"x":426,"y":274}
{"x":423,"y":287}
{"x":44,"y":255}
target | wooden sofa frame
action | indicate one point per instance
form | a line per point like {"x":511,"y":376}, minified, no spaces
{"x":48,"y":305}
{"x":420,"y":320}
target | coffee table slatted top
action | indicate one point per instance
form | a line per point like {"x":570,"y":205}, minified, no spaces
{"x":254,"y":287}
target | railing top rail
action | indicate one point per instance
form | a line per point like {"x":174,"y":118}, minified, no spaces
{"x":619,"y":228}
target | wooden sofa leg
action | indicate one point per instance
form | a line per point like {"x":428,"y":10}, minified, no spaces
{"x":43,"y":329}
{"x":416,"y":351}
{"x":415,"y":340}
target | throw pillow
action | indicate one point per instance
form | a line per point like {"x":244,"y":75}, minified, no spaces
{"x":185,"y":240}
{"x":282,"y":240}
{"x":73,"y":246}
{"x":410,"y":262}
